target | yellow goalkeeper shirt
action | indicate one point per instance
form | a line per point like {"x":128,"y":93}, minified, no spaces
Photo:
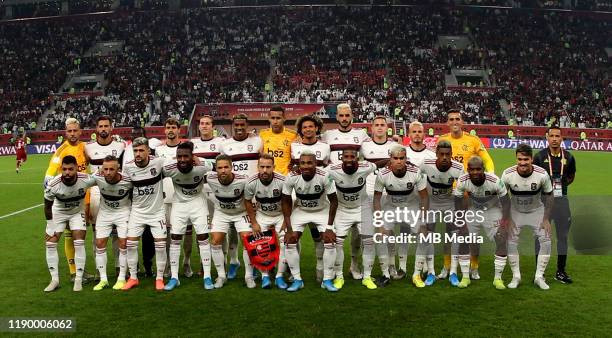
{"x":467,"y":146}
{"x":78,"y":151}
{"x":279,"y":146}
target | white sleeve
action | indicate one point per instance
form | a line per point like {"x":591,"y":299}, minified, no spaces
{"x":379,"y":185}
{"x":421,"y":182}
{"x":288,"y":186}
{"x":49,"y":194}
{"x":501,"y":188}
{"x":460,"y":189}
{"x":249,"y":190}
{"x":546,"y":184}
{"x":330,"y":187}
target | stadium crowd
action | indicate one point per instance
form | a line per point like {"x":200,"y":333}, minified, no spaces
{"x":553,"y":65}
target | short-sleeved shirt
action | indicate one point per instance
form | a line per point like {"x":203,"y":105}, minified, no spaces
{"x":401,"y":191}
{"x":320,"y":149}
{"x":68,"y":199}
{"x":229,"y":199}
{"x":279,"y":146}
{"x":267,"y":197}
{"x":485,"y":196}
{"x":187,"y":186}
{"x":311,"y":196}
{"x":351,"y":188}
{"x":148,"y":194}
{"x":244,"y":154}
{"x":527,"y":191}
{"x":114,"y":198}
{"x":339,"y":140}
{"x":440,"y":183}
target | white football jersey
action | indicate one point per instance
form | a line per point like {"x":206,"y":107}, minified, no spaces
{"x":418,"y":157}
{"x":401,"y":191}
{"x":68,"y":199}
{"x":114,"y":198}
{"x":168,"y":153}
{"x":320,"y":149}
{"x":148,"y":193}
{"x":440,"y":183}
{"x":485,"y":196}
{"x":351,"y":188}
{"x":229,"y":199}
{"x":311,"y":196}
{"x":207,"y":149}
{"x":244,"y":154}
{"x":267,"y":197}
{"x":374,"y":152}
{"x":97,"y":152}
{"x":527,"y":191}
{"x":187,"y":186}
{"x":339,"y":140}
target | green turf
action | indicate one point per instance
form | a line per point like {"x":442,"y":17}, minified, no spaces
{"x":399,"y":310}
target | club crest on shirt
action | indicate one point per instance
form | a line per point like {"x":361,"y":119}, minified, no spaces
{"x":153,"y":171}
{"x":360,"y":181}
{"x":250,"y":147}
{"x":534,"y":186}
{"x":196,"y":178}
{"x":81,"y":191}
{"x":212,"y":147}
{"x":409,"y":186}
{"x":237,"y":192}
{"x":356,"y":139}
{"x":318,"y":154}
{"x":121,"y":192}
{"x":276,"y":193}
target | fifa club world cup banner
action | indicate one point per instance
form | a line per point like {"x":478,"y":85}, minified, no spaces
{"x":260,"y":111}
{"x":503,"y":143}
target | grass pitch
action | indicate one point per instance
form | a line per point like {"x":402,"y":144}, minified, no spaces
{"x":582,"y":308}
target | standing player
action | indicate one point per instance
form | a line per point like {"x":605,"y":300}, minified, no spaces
{"x":378,"y":150}
{"x":188,"y":207}
{"x":488,"y":197}
{"x":316,"y":203}
{"x":74,"y":147}
{"x":145,"y":172}
{"x":346,"y":137}
{"x":114,"y":214}
{"x":350,"y":180}
{"x":277,"y":140}
{"x":441,"y":174}
{"x":266,"y":188}
{"x":97,"y":151}
{"x":207,"y":147}
{"x":21,"y":151}
{"x":561,"y":166}
{"x":529,"y":184}
{"x":406,"y":189}
{"x":64,"y":197}
{"x":228,"y":189}
{"x":416,"y":151}
{"x":244,"y":152}
{"x":465,"y":146}
{"x":309,"y":128}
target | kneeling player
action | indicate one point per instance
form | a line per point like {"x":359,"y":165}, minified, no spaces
{"x":527,"y":182}
{"x":266,"y":187}
{"x":230,"y":210}
{"x":407,"y":191}
{"x":114,"y":212}
{"x":486,"y":192}
{"x":315,"y":204}
{"x":64,"y":197}
{"x":350,"y":180}
{"x":188,"y":207}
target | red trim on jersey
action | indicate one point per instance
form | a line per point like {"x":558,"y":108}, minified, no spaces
{"x":208,"y":156}
{"x":245,"y":157}
{"x":338,"y":147}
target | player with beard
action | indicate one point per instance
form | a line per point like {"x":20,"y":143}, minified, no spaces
{"x":309,"y":128}
{"x":350,"y":180}
{"x":188,"y":207}
{"x":346,"y":137}
{"x":244,"y":152}
{"x":97,"y":151}
{"x":114,"y":215}
{"x":64,"y":197}
{"x":316,"y":203}
{"x":230,"y":210}
{"x":266,"y":188}
{"x":145,"y":172}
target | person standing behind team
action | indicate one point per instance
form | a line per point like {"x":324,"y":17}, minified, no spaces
{"x":465,"y":146}
{"x":560,"y":164}
{"x":277,"y":140}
